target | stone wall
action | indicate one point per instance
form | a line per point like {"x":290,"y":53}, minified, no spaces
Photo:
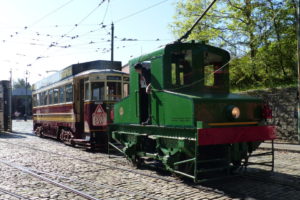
{"x":284,"y":110}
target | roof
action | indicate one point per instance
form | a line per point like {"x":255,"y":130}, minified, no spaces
{"x":75,"y":69}
{"x":97,"y":71}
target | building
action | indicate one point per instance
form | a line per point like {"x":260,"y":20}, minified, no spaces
{"x":19,"y":98}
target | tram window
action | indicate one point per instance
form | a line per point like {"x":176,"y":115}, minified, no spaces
{"x":38,"y":99}
{"x":41,"y":98}
{"x":69,"y":93}
{"x":55,"y":95}
{"x":50,"y":94}
{"x":87,"y":91}
{"x":113,"y":78}
{"x":126,"y":89}
{"x":113,"y":91}
{"x":62,"y":94}
{"x":45,"y":98}
{"x":97,"y":91}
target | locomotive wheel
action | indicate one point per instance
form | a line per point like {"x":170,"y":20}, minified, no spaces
{"x":138,"y":162}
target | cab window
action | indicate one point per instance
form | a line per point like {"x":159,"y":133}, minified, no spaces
{"x":215,"y":72}
{"x":113,"y":90}
{"x":125,"y":89}
{"x":181,"y":68}
{"x":97,"y":89}
{"x":87,"y":91}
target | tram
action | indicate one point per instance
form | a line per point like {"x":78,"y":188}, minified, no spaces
{"x":75,"y":104}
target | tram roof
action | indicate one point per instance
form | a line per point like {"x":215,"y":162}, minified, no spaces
{"x":102,"y":71}
{"x":75,"y":69}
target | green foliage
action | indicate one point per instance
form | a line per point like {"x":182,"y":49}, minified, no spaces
{"x":21,"y":83}
{"x":260,"y":34}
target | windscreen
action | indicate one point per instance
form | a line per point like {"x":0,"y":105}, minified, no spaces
{"x":206,"y":70}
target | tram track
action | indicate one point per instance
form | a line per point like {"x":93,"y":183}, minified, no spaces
{"x":27,"y":171}
{"x":221,"y":191}
{"x":43,"y":176}
{"x":103,"y":164}
{"x":94,"y":162}
{"x":3,"y":191}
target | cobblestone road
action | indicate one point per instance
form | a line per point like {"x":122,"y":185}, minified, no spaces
{"x":91,"y":174}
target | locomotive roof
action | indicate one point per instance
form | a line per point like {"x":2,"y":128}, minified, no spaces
{"x":160,"y":52}
{"x":75,"y":69}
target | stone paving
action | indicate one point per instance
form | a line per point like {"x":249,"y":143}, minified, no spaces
{"x":91,"y":173}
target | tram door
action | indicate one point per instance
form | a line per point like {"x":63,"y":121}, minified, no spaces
{"x":79,"y":99}
{"x":81,"y":103}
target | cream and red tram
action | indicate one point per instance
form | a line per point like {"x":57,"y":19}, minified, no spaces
{"x":75,"y":105}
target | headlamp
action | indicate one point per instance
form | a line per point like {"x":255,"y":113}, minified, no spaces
{"x":233,"y":112}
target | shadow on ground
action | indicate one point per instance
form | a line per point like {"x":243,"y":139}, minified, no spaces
{"x":256,"y":184}
{"x":6,"y":135}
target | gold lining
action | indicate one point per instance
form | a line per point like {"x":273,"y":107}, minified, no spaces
{"x":55,"y":118}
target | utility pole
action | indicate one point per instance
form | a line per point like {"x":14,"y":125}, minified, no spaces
{"x":298,"y":52}
{"x":10,"y":100}
{"x":26,"y":99}
{"x":112,"y":43}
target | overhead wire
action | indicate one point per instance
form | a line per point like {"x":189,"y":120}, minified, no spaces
{"x":105,"y":13}
{"x":41,"y":19}
{"x":58,"y":44}
{"x":141,"y":11}
{"x":75,"y":26}
{"x":51,"y":13}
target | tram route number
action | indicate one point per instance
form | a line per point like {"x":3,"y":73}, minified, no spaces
{"x":99,"y":117}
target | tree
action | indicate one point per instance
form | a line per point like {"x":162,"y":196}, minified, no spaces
{"x":260,"y":34}
{"x":21,"y":83}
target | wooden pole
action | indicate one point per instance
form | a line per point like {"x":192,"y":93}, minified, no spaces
{"x":298,"y":52}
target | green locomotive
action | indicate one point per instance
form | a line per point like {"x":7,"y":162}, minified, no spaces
{"x":198,"y":128}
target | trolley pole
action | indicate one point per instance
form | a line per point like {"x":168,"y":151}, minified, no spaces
{"x":298,"y":52}
{"x":112,"y":43}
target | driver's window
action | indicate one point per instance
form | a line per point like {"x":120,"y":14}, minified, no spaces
{"x":97,"y":91}
{"x":181,"y":68}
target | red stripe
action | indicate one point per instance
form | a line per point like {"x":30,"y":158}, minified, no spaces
{"x":229,"y":135}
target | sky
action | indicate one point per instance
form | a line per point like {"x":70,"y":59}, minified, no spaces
{"x":41,"y":36}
